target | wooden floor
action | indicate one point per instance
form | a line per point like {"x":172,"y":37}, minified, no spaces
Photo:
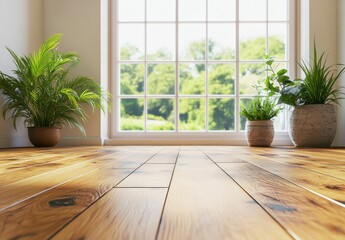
{"x":172,"y":193}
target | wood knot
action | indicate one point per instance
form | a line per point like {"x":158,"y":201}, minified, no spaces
{"x":64,"y":202}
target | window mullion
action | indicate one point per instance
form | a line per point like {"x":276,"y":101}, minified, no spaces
{"x":145,"y":73}
{"x":177,"y":70}
{"x":267,"y":35}
{"x":237,"y":71}
{"x":206,"y":72}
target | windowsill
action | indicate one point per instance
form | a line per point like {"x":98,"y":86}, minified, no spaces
{"x":224,"y":138}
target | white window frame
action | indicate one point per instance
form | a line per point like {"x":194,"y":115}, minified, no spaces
{"x":235,"y":137}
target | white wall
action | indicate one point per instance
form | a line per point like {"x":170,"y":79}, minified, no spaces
{"x":20,"y":30}
{"x":324,"y":18}
{"x":323,"y":26}
{"x":80,"y":23}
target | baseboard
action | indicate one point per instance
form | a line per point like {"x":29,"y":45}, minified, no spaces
{"x":81,"y":141}
{"x":188,"y":142}
{"x":23,"y":141}
{"x":14,"y":142}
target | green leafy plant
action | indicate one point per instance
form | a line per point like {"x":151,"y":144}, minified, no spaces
{"x":260,"y":108}
{"x":264,"y":106}
{"x":41,"y":91}
{"x":317,"y":87}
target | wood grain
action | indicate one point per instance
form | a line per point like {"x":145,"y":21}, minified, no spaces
{"x":137,"y":218}
{"x":149,"y":175}
{"x":289,"y":204}
{"x":25,"y":157}
{"x":167,"y":155}
{"x":42,"y":216}
{"x":301,"y":156}
{"x":137,"y":192}
{"x":325,"y":185}
{"x":204,"y":203}
{"x":27,"y":171}
{"x":327,"y":156}
{"x":21,"y":190}
{"x":311,"y":164}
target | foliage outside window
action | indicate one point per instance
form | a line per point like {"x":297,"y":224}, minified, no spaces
{"x":188,"y":65}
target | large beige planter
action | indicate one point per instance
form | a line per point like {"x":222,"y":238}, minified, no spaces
{"x":259,"y":133}
{"x":313,"y":125}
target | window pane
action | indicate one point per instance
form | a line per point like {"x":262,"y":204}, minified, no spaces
{"x":277,"y":10}
{"x":192,"y":79}
{"x":252,"y":10}
{"x":192,"y":10}
{"x":221,"y":78}
{"x":222,"y":10}
{"x":243,"y":120}
{"x":250,"y":74}
{"x":222,"y":41}
{"x":161,"y":114}
{"x":131,"y":41}
{"x":161,"y":79}
{"x":252,"y":41}
{"x":280,"y":121}
{"x":279,"y":65}
{"x":192,"y":114}
{"x":207,"y":62}
{"x":277,"y":40}
{"x":132,"y":114}
{"x":192,"y":41}
{"x":161,"y":10}
{"x":132,"y":79}
{"x":221,"y":114}
{"x":129,"y":13}
{"x":160,"y":41}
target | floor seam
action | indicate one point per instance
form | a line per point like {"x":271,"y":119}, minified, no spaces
{"x":166,"y":196}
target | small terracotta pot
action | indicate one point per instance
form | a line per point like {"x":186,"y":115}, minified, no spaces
{"x":44,"y":136}
{"x":259,"y":133}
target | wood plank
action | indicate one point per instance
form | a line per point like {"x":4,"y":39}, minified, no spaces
{"x":42,"y":216}
{"x":15,"y":158}
{"x":310,"y":164}
{"x":149,"y":175}
{"x":325,"y":185}
{"x":297,"y":155}
{"x":24,"y":172}
{"x":302,"y":213}
{"x":325,"y":153}
{"x":18,"y":191}
{"x":10,"y":163}
{"x":123,"y":213}
{"x":167,"y":155}
{"x":204,"y":203}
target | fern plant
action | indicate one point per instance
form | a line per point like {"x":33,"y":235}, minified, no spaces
{"x":319,"y":82}
{"x":260,"y":108}
{"x":41,"y":91}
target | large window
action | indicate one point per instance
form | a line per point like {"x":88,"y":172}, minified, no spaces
{"x":186,"y":65}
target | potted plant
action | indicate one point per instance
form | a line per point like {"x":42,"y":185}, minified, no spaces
{"x":313,"y":119}
{"x":41,"y":92}
{"x":259,"y":113}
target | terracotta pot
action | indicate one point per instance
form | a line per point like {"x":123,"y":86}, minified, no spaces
{"x":44,"y":136}
{"x":313,"y":125}
{"x":259,"y":133}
